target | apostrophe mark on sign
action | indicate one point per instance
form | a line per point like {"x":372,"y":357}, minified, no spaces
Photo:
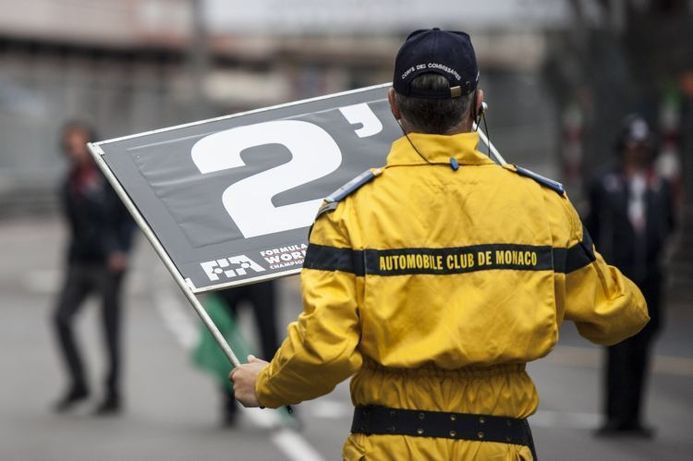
{"x":362,"y":113}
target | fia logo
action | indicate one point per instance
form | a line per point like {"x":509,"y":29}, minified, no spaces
{"x":230,"y":267}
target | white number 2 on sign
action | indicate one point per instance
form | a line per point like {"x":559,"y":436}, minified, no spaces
{"x":314,"y":154}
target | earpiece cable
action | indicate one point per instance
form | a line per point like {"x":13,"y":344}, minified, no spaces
{"x":412,"y":144}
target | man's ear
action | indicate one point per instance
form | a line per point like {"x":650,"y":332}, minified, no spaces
{"x":478,"y":100}
{"x":393,"y":104}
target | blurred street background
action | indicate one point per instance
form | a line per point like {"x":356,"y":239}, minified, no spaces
{"x":559,"y":76}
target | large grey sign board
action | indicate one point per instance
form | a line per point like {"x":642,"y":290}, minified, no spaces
{"x":231,"y":200}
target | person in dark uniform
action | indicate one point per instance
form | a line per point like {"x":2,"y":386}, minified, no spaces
{"x":631,"y":218}
{"x":100,"y":238}
{"x":262,"y":299}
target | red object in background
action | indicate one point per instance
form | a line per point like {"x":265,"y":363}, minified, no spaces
{"x":686,"y":82}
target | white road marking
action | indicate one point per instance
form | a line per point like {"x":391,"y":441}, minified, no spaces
{"x":565,"y":419}
{"x":669,"y":365}
{"x":42,"y":281}
{"x":329,"y":409}
{"x":180,"y":321}
{"x":295,"y":446}
{"x":176,"y":320}
{"x":591,"y":357}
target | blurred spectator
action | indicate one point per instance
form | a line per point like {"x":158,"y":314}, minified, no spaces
{"x":100,"y":237}
{"x":631,"y":217}
{"x":262,"y":299}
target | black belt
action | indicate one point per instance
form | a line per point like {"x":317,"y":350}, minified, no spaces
{"x":417,"y":423}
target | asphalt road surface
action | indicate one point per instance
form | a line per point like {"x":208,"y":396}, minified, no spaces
{"x":172,"y":410}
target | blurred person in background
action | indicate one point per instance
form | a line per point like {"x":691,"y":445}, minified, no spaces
{"x":100,"y":239}
{"x":631,"y":218}
{"x":261,"y":298}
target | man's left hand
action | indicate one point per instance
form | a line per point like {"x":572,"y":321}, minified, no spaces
{"x":244,"y":378}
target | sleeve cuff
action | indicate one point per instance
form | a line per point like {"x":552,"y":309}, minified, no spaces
{"x":263,"y":392}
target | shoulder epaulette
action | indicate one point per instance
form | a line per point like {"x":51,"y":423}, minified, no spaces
{"x":543,"y":180}
{"x":325,"y":207}
{"x":331,"y":201}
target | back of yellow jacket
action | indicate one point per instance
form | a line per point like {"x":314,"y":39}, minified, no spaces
{"x":443,"y":272}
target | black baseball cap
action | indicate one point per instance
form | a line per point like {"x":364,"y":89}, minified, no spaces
{"x":447,"y":53}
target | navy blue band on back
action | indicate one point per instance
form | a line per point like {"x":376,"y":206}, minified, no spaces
{"x":454,"y":260}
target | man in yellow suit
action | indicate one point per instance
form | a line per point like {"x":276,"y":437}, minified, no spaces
{"x":435,"y":279}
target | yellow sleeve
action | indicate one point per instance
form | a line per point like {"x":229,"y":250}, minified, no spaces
{"x":320,"y":349}
{"x":604,"y":304}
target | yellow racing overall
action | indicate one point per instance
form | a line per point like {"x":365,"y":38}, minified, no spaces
{"x":434,"y":286}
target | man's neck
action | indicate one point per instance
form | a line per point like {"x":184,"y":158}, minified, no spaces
{"x":464,"y":127}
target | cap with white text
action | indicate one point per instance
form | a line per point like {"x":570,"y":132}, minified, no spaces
{"x":446,"y":53}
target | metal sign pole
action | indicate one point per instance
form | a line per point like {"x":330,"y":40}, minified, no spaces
{"x":493,"y":152}
{"x":98,"y":153}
